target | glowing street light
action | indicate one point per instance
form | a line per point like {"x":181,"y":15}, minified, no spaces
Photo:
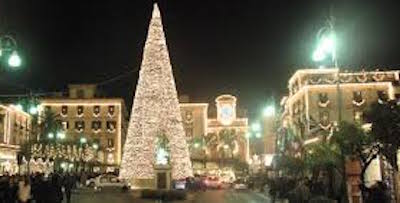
{"x":14,"y":60}
{"x":256,"y":127}
{"x":196,"y":145}
{"x":326,"y":43}
{"x":95,"y":146}
{"x":61,"y":135}
{"x":269,"y":111}
{"x":33,"y":110}
{"x":258,"y":135}
{"x":83,"y":140}
{"x":50,"y":135}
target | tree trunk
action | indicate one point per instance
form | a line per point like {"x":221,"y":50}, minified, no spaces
{"x":345,"y":197}
{"x":396,"y":185}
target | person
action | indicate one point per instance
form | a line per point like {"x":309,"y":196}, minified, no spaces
{"x":24,"y":190}
{"x":68,"y":185}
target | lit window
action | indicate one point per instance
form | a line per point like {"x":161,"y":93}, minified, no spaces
{"x":65,"y":125}
{"x":111,"y":110}
{"x":110,"y":143}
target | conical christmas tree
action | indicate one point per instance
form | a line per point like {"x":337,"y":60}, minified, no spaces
{"x":155,"y":112}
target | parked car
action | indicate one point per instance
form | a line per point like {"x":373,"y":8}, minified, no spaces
{"x":180,"y":184}
{"x":107,"y":181}
{"x":240,"y":185}
{"x":213,"y":183}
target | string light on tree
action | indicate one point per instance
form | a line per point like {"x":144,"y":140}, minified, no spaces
{"x":155,"y":110}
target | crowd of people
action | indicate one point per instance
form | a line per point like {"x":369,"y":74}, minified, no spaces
{"x":52,"y":188}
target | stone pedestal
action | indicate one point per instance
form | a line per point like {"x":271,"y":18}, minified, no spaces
{"x":162,"y":177}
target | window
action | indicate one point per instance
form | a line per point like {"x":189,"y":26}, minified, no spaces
{"x":79,"y":111}
{"x":96,"y":125}
{"x":65,"y":125}
{"x":323,"y":97}
{"x":382,"y":96}
{"x":111,"y":110}
{"x":110,"y":143}
{"x":111,"y":126}
{"x":357,"y":96}
{"x":96,"y":110}
{"x":80,"y":125}
{"x":64,"y":110}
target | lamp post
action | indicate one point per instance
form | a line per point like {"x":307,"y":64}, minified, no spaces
{"x":327,"y":44}
{"x":8,"y":51}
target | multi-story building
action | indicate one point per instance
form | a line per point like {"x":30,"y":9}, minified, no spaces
{"x":100,"y":120}
{"x":214,"y":131}
{"x":15,"y":129}
{"x":317,"y":102}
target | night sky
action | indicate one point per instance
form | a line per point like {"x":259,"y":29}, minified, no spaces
{"x":247,"y":48}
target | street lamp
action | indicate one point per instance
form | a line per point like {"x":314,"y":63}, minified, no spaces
{"x":258,"y":135}
{"x":14,"y":60}
{"x":269,"y":111}
{"x":327,"y":44}
{"x":61,"y":135}
{"x":8,"y":47}
{"x":95,"y":146}
{"x":196,"y":145}
{"x":256,"y":127}
{"x":83,"y":140}
{"x":50,"y":135}
{"x":33,"y":110}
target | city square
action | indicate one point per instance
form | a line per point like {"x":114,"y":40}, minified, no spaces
{"x":166,"y":101}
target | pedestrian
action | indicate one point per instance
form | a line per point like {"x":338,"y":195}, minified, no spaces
{"x":69,"y":182}
{"x":24,"y":190}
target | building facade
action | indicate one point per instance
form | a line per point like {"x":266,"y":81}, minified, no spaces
{"x":321,"y":98}
{"x":316,"y":101}
{"x":215,"y":141}
{"x":95,"y":119}
{"x":15,"y":129}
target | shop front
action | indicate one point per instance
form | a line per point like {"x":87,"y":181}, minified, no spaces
{"x":8,"y":161}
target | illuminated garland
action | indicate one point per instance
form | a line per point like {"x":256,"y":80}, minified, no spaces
{"x":378,"y":77}
{"x":359,"y":103}
{"x":346,"y":79}
{"x":155,"y":109}
{"x":324,"y":104}
{"x":362,"y":78}
{"x":313,"y":82}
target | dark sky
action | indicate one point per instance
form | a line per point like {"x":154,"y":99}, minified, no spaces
{"x":248,"y":48}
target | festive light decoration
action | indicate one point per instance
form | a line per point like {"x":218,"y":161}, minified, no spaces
{"x":155,"y":111}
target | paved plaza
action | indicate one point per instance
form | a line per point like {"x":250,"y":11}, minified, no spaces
{"x":211,"y":196}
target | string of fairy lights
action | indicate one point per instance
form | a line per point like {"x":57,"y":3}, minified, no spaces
{"x":155,"y":113}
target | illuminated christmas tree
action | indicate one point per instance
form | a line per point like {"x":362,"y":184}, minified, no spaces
{"x":155,"y":113}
